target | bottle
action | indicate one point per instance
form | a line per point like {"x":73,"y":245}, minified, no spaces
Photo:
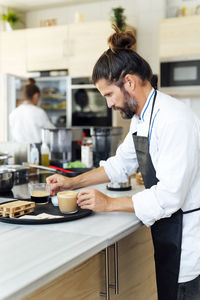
{"x":45,"y":155}
{"x":87,"y":152}
{"x":34,"y":155}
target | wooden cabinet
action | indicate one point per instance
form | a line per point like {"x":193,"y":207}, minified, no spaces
{"x":13,"y":52}
{"x":136,"y":274}
{"x":47,"y":48}
{"x":87,"y":41}
{"x":136,"y":267}
{"x":179,"y":37}
{"x":75,"y":47}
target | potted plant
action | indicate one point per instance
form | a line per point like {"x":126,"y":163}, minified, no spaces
{"x":118,"y":18}
{"x":12,"y":18}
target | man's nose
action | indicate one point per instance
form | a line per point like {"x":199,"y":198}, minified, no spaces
{"x":110,"y":103}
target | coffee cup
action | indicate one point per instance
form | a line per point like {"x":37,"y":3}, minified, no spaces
{"x":39,"y":192}
{"x":67,"y":201}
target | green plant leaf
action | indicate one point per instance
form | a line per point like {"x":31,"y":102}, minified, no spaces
{"x":118,"y":18}
{"x":12,"y":17}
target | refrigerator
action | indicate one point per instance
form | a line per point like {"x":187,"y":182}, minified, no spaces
{"x":54,"y":97}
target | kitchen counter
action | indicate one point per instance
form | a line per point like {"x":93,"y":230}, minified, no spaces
{"x":33,"y":255}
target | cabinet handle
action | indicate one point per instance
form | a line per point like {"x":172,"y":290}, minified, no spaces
{"x":116,"y":285}
{"x":107,"y":283}
{"x":107,"y":293}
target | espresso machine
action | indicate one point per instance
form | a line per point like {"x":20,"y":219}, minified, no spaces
{"x":59,"y":141}
{"x":105,"y":142}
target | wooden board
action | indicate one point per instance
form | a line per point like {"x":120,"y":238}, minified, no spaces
{"x":16,"y":208}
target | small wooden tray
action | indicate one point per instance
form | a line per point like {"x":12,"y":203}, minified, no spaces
{"x":16,"y":209}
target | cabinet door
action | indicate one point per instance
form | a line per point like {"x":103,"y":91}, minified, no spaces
{"x":82,"y":282}
{"x":136,"y":267}
{"x":86,"y":281}
{"x":13,"y":52}
{"x":87,"y":41}
{"x":180,"y":37}
{"x":47,"y":48}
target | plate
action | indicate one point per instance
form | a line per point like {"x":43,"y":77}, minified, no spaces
{"x":48,"y":208}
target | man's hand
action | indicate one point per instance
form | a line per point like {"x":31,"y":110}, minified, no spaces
{"x":89,"y":198}
{"x":59,"y":183}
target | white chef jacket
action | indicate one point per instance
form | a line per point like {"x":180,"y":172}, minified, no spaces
{"x":26,"y":122}
{"x":175,"y":154}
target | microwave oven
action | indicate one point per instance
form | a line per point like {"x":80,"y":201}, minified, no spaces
{"x":180,"y":75}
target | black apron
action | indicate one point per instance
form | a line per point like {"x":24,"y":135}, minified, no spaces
{"x":166,"y":232}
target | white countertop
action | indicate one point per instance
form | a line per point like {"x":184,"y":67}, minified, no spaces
{"x":33,"y":255}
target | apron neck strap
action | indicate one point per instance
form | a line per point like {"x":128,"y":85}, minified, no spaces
{"x":154,"y":99}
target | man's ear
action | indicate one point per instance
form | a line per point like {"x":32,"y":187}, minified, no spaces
{"x":129,"y":82}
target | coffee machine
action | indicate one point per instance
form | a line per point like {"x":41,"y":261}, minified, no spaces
{"x":59,"y":141}
{"x":105,"y":142}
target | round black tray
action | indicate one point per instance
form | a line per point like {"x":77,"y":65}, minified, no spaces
{"x":49,"y":209}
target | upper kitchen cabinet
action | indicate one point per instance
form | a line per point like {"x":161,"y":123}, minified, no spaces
{"x":13,"y":52}
{"x":179,"y":37}
{"x":87,"y":41}
{"x":47,"y":48}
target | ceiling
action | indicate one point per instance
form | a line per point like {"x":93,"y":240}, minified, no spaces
{"x":28,"y":5}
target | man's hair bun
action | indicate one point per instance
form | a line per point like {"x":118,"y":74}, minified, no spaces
{"x":121,"y":40}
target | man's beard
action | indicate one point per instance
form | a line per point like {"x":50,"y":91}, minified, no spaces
{"x":130,"y":106}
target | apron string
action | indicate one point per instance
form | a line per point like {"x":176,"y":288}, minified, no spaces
{"x":152,"y":111}
{"x":190,"y":211}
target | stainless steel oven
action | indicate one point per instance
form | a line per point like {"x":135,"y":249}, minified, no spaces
{"x":88,"y":106}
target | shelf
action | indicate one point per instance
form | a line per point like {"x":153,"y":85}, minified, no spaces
{"x":54,"y":109}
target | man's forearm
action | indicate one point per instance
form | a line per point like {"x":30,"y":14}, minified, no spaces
{"x":92,"y":177}
{"x":120,"y":204}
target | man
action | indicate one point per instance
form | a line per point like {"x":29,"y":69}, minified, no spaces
{"x":164,"y":141}
{"x":27,"y":120}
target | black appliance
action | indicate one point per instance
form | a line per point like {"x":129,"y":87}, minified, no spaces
{"x":105,"y":142}
{"x":89,"y":108}
{"x":180,"y":73}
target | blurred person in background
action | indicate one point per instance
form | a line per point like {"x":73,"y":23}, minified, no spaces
{"x":27,"y":120}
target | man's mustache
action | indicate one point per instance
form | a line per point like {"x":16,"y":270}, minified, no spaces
{"x":117,"y":108}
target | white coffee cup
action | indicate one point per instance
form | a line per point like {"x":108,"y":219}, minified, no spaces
{"x":67,"y":201}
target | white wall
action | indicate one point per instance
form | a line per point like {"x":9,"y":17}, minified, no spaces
{"x":144,"y":15}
